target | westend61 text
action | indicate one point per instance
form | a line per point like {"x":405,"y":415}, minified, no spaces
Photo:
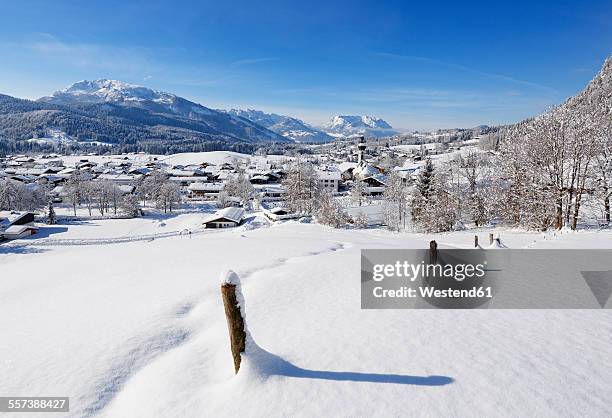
{"x":432,"y":292}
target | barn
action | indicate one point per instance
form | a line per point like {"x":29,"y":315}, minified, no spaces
{"x":225,"y":218}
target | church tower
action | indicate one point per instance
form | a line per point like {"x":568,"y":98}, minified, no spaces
{"x":361,"y":146}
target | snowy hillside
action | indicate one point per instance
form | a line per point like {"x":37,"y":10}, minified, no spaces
{"x":289,"y":127}
{"x":138,"y":330}
{"x":358,"y":125}
{"x":58,"y":137}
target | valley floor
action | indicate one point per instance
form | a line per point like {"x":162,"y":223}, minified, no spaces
{"x":137,"y":329}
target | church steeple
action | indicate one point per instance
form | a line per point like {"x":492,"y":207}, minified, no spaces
{"x":361,"y":146}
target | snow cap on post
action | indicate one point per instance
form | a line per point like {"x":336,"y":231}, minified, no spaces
{"x":230,"y":277}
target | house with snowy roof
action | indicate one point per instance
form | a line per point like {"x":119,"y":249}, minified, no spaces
{"x":272,"y":193}
{"x":14,"y":225}
{"x":225,"y":218}
{"x":374,"y":184}
{"x":18,"y":231}
{"x":204,"y":190}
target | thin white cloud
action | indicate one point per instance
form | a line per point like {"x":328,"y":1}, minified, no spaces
{"x":126,"y":63}
{"x":495,"y":76}
{"x":85,"y":55}
{"x":250,"y":61}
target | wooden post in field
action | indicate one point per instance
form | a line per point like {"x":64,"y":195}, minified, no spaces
{"x":491,"y":238}
{"x":433,"y":252}
{"x":475,"y":241}
{"x":235,"y":322}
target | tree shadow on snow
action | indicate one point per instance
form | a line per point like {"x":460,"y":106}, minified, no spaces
{"x":268,"y":364}
{"x":19,"y":249}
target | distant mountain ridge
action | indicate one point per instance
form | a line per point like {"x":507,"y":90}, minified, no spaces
{"x":102,"y":92}
{"x":287,"y":126}
{"x":134,"y":117}
{"x":349,"y":125}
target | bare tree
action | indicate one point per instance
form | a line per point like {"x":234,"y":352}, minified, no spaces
{"x":395,"y":202}
{"x":74,"y":189}
{"x":358,"y":192}
{"x":239,"y":186}
{"x":129,"y":204}
{"x":302,"y":187}
{"x":223,"y":200}
{"x":169,"y":196}
{"x":361,"y":221}
{"x":329,"y":212}
{"x":9,"y":195}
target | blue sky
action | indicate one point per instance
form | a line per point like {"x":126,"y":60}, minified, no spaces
{"x":418,"y":65}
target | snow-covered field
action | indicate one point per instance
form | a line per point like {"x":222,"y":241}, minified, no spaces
{"x":138,"y":330}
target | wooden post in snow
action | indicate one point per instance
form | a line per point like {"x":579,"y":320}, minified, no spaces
{"x":433,"y":252}
{"x":475,"y":241}
{"x":491,"y":238}
{"x":235,"y":321}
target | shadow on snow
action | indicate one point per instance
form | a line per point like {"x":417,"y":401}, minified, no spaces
{"x":268,"y":364}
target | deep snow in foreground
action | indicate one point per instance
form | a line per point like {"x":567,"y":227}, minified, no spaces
{"x":138,"y":330}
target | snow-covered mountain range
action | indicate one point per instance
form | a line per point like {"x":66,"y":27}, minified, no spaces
{"x":118,"y":113}
{"x":287,"y":126}
{"x":103,"y":90}
{"x":348,"y":125}
{"x":300,"y":131}
{"x":177,"y":111}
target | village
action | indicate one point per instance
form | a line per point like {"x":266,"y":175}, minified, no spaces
{"x":227,"y":187}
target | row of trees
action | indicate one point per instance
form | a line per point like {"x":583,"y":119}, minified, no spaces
{"x":551,"y":164}
{"x":102,"y":195}
{"x":540,"y":177}
{"x":440,"y":200}
{"x":15,"y":195}
{"x":108,"y":197}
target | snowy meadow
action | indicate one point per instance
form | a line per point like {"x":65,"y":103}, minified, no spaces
{"x":138,"y":329}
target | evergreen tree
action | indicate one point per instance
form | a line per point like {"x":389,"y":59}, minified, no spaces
{"x":422,"y":192}
{"x":51,"y":218}
{"x":425,"y":179}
